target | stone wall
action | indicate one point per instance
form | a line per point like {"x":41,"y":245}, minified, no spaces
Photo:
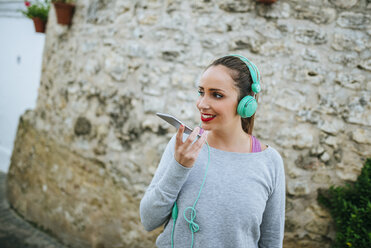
{"x":84,"y":156}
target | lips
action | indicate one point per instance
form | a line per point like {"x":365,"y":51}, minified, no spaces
{"x":207,"y":117}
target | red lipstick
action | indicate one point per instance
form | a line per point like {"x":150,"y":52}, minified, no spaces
{"x":207,"y":119}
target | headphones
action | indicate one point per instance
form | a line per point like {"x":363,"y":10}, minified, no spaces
{"x":248,"y":105}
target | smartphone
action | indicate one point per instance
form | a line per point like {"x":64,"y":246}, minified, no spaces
{"x":175,"y":122}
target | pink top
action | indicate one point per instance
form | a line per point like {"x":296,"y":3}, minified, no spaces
{"x":255,"y":144}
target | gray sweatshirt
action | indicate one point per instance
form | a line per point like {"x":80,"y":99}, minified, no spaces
{"x":242,"y":203}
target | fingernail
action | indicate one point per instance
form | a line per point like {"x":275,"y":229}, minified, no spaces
{"x":201,"y":130}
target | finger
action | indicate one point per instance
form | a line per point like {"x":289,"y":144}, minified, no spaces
{"x":204,"y":137}
{"x":179,"y":136}
{"x":196,"y":147}
{"x":192,"y":136}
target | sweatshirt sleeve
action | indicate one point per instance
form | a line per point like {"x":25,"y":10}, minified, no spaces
{"x":161,"y":194}
{"x":272,"y":226}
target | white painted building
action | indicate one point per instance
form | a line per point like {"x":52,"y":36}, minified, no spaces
{"x":20,"y":70}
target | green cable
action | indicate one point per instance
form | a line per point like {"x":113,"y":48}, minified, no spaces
{"x":172,"y":234}
{"x":192,"y":225}
{"x":174,"y":215}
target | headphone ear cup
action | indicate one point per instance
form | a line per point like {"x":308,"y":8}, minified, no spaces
{"x":247,"y":106}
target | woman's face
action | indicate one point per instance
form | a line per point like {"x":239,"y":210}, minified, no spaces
{"x":217,"y":102}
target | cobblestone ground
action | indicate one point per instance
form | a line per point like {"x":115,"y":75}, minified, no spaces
{"x":16,"y":232}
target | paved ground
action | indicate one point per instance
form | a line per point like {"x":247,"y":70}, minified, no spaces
{"x":17,"y":233}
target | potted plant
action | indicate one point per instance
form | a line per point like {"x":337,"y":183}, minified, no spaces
{"x":38,"y":12}
{"x":64,"y":10}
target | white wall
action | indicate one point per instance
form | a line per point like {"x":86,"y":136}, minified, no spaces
{"x":20,"y":69}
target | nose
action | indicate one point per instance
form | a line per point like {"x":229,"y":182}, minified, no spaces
{"x":203,"y":102}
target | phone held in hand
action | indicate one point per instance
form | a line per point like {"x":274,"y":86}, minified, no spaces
{"x":175,"y":122}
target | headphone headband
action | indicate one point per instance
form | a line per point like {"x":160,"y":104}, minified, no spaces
{"x":254,"y":72}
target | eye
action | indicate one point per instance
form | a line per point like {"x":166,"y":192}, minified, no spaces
{"x":200,"y":92}
{"x":217,"y":95}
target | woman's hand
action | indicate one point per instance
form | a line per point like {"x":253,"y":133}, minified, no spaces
{"x":186,"y":153}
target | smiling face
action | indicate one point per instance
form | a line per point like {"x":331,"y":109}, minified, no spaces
{"x":217,"y":102}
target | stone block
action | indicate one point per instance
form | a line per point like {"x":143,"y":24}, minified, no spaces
{"x":308,"y":163}
{"x":362,"y":136}
{"x":316,"y":14}
{"x":310,"y":36}
{"x":321,"y":178}
{"x":346,"y":4}
{"x":333,"y":126}
{"x":354,"y":20}
{"x":236,"y":6}
{"x":279,"y":10}
{"x":318,"y":226}
{"x":349,"y":40}
{"x":298,"y":188}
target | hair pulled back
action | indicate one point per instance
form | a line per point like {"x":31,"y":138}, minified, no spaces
{"x":241,"y":75}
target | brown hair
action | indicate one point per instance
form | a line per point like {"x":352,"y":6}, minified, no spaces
{"x":241,"y":75}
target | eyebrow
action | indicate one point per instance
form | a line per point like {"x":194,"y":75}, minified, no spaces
{"x":212,"y":89}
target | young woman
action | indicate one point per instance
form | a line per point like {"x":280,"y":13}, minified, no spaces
{"x":229,"y":192}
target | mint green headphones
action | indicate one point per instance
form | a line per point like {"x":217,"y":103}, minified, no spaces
{"x":248,"y":105}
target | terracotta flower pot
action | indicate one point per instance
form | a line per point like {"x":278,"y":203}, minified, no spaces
{"x":39,"y":24}
{"x":267,"y":1}
{"x":64,"y":12}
